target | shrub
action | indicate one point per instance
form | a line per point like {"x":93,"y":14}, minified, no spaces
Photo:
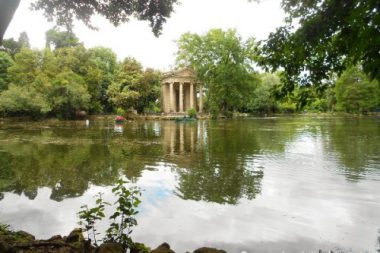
{"x":287,"y":107}
{"x":123,"y":219}
{"x":192,"y":113}
{"x":120,"y":111}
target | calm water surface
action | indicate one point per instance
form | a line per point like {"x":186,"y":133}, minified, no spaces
{"x":259,"y":185}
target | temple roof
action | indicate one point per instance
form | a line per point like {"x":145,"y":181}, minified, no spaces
{"x":186,"y":73}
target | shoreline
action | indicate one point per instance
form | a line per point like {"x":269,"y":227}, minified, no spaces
{"x":23,"y":242}
{"x":173,"y":117}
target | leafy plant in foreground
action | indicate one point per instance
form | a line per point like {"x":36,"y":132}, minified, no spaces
{"x":89,"y":216}
{"x":123,"y":218}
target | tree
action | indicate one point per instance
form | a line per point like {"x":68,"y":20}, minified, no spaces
{"x":356,"y":93}
{"x":23,"y":40}
{"x":223,"y":62}
{"x":17,"y":100}
{"x":134,"y":88}
{"x":13,"y":47}
{"x":5,"y":62}
{"x":26,"y":68}
{"x":123,"y":92}
{"x":149,"y":89}
{"x":60,"y":39}
{"x":263,"y":100}
{"x":68,"y":94}
{"x":117,"y":12}
{"x":101,"y":69}
{"x":329,"y":38}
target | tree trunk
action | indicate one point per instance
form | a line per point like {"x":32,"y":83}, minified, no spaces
{"x":7,"y":10}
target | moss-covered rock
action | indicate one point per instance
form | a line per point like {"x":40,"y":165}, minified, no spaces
{"x":208,"y":250}
{"x":110,"y":248}
{"x":163,"y":248}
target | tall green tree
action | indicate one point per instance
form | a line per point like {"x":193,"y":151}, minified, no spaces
{"x":323,"y":37}
{"x":101,"y":69}
{"x":134,"y":88}
{"x":123,"y":91}
{"x":26,"y":68}
{"x":263,"y":99}
{"x":13,"y":47}
{"x":149,"y":89}
{"x":68,"y":94}
{"x":60,"y":39}
{"x":23,"y":40}
{"x":223,"y":62}
{"x":117,"y":11}
{"x":356,"y":93}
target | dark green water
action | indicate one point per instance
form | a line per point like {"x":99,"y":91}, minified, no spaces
{"x":259,"y":185}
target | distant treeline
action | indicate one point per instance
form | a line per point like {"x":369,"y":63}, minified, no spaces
{"x":65,"y":78}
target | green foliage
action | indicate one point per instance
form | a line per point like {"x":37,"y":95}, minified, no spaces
{"x":60,"y":39}
{"x":122,"y":220}
{"x":116,"y":12}
{"x":120,"y":111}
{"x":13,"y":47}
{"x":26,"y":68}
{"x":192,"y":113}
{"x":331,"y":35}
{"x":5,"y":62}
{"x":20,"y":101}
{"x":318,"y":105}
{"x":134,"y":88}
{"x":4,"y":228}
{"x":356,"y":93}
{"x":23,"y":40}
{"x":68,"y":94}
{"x":263,"y":100}
{"x":287,"y":106}
{"x":223,"y":62}
{"x":68,"y":79}
{"x":89,"y":216}
{"x":100,"y":71}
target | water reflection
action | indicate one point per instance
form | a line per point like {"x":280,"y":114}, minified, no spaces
{"x":215,"y":165}
{"x":291,"y":181}
{"x":216,"y":161}
{"x":355,"y":143}
{"x":118,"y":128}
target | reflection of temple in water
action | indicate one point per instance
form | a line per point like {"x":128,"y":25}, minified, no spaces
{"x":180,"y":138}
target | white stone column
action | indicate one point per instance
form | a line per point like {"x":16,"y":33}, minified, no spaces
{"x":191,"y":95}
{"x":200,"y":98}
{"x":162,"y":98}
{"x":171,"y":102}
{"x":181,"y":97}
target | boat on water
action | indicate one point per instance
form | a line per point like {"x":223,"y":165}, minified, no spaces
{"x":119,"y":119}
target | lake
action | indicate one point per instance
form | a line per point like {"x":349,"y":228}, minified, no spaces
{"x":275,"y":184}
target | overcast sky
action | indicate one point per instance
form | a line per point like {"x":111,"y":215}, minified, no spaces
{"x":135,"y":38}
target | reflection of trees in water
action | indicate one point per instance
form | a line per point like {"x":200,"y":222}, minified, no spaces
{"x":67,"y":170}
{"x":355,"y":142}
{"x":220,"y":169}
{"x":226,"y":182}
{"x":217,"y":160}
{"x":67,"y":161}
